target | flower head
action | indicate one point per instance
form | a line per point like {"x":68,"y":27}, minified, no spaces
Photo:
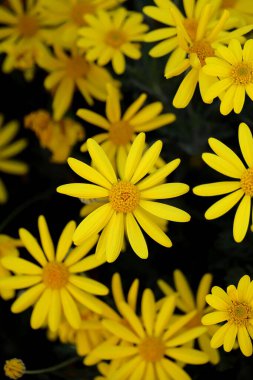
{"x":70,"y":16}
{"x":9,"y":149}
{"x":110,"y":36}
{"x":120,"y":129}
{"x":186,"y":302}
{"x":233,"y":67}
{"x":14,"y":368}
{"x":240,"y":189}
{"x":235,"y":308}
{"x":58,"y":137}
{"x":68,"y":72}
{"x":56,"y":281}
{"x":149,"y":344}
{"x":129,"y":199}
{"x":24,"y":34}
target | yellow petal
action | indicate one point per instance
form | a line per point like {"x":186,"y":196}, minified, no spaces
{"x":222,"y":206}
{"x":246,"y":143}
{"x":41,"y":308}
{"x":242,"y":218}
{"x":216,"y":188}
{"x":165,"y":211}
{"x":27,"y":298}
{"x":135,"y":237}
{"x":70,"y":309}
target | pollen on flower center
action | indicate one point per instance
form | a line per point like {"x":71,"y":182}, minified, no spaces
{"x":228,"y":4}
{"x":79,"y":10}
{"x":77,"y":67}
{"x":240,"y":313}
{"x":115,"y":38}
{"x":203,"y":49}
{"x":191,"y":27}
{"x":152,"y":349}
{"x":120,"y":133}
{"x":242,"y":73}
{"x":124,"y":197}
{"x":55,"y":275}
{"x":27,"y":25}
{"x":247,"y":182}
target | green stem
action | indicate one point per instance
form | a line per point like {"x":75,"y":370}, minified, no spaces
{"x":54,"y":367}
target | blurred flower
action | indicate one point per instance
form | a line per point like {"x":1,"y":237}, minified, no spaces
{"x":9,"y":149}
{"x":110,"y":36}
{"x":69,"y":15}
{"x":150,"y":343}
{"x":120,"y":130}
{"x":24,"y":34}
{"x":8,"y":247}
{"x":226,"y":162}
{"x":54,"y":284}
{"x":57,"y":136}
{"x":130,"y":199}
{"x":233,"y":66}
{"x":241,"y":9}
{"x":235,"y":307}
{"x":14,"y":368}
{"x":186,"y":302}
{"x":69,"y":72}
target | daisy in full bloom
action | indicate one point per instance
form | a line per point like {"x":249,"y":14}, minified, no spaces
{"x":235,"y":308}
{"x":68,"y":72}
{"x":59,"y":137}
{"x":56,"y":281}
{"x":149,"y":345}
{"x":120,"y":129}
{"x":193,"y":40}
{"x":8,"y":247}
{"x":110,"y":36}
{"x":9,"y":149}
{"x":240,"y":189}
{"x":233,"y":66}
{"x":186,"y":302}
{"x":24,"y":34}
{"x":129,"y":199}
{"x":69,"y":15}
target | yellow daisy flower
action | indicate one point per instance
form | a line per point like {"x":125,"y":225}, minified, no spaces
{"x":235,"y":308}
{"x":233,"y":66}
{"x":152,"y":343}
{"x":24,"y":34}
{"x":9,"y":149}
{"x":68,"y":72}
{"x":186,"y":302}
{"x":226,"y":162}
{"x":120,"y":130}
{"x":110,"y":36}
{"x":58,"y":137}
{"x":57,"y":280}
{"x":8,"y":247}
{"x":130,"y":199}
{"x":69,"y":15}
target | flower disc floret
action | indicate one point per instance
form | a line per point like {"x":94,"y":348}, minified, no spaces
{"x":203,"y":49}
{"x":55,"y":275}
{"x":152,"y":349}
{"x":247,"y":182}
{"x":124,"y":197}
{"x":242,"y":73}
{"x":27,"y":25}
{"x":240,"y":313}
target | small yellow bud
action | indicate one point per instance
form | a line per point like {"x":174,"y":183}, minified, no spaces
{"x":14,"y":368}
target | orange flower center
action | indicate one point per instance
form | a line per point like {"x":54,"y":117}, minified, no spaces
{"x":228,"y":3}
{"x":79,"y":10}
{"x":115,"y":38}
{"x":124,"y":197}
{"x":120,"y":133}
{"x":77,"y":67}
{"x":247,"y":182}
{"x":191,"y":27}
{"x":240,"y":313}
{"x":152,"y":349}
{"x":27,"y":25}
{"x":55,"y":275}
{"x":242,"y":73}
{"x":203,"y":49}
